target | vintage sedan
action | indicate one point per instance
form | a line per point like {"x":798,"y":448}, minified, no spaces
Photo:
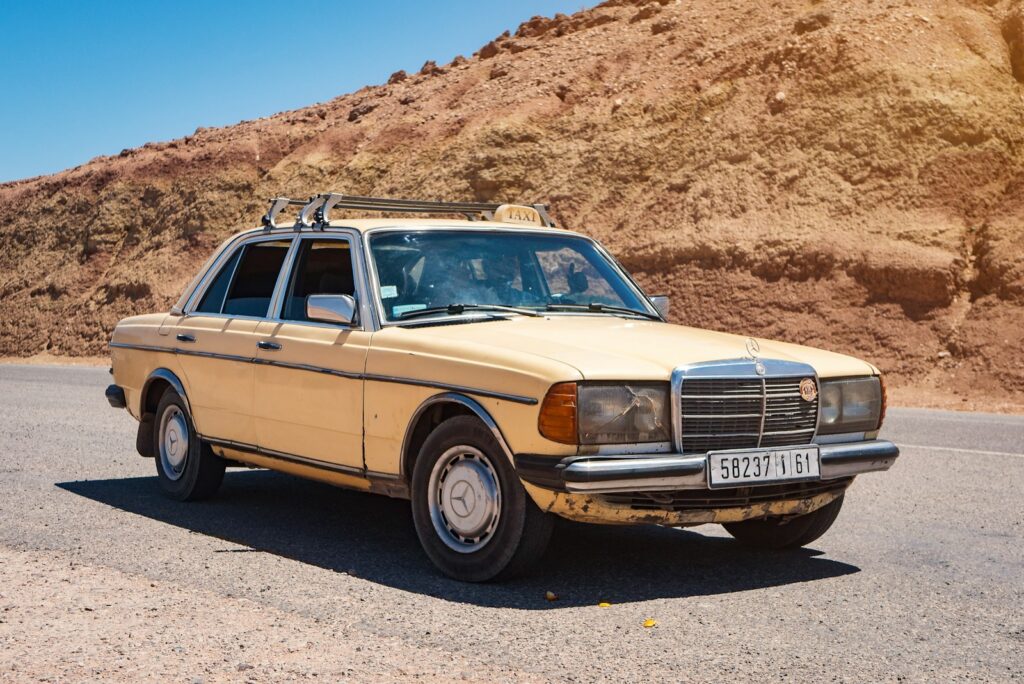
{"x":497,"y":371}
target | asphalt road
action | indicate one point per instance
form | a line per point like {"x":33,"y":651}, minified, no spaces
{"x":921,"y":578}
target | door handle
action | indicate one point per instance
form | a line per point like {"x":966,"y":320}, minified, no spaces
{"x":269,"y":346}
{"x":182,"y":337}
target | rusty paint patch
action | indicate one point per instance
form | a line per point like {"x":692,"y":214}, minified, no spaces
{"x":591,"y":509}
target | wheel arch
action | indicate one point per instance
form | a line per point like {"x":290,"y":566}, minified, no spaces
{"x":154,"y":387}
{"x":434,"y":411}
{"x":151,"y":393}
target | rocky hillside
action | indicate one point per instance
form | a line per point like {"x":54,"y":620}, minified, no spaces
{"x":846,"y":175}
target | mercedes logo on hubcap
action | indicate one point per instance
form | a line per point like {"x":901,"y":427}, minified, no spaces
{"x":463,"y":501}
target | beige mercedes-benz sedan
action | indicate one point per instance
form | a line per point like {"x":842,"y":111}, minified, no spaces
{"x":497,"y":371}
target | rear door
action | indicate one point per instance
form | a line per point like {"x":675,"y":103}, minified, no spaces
{"x":216,"y":340}
{"x":309,"y":386}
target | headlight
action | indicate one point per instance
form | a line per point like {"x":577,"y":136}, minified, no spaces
{"x":606,"y":413}
{"x":851,"y":405}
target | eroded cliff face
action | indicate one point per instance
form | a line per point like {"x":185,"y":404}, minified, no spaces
{"x":846,"y":175}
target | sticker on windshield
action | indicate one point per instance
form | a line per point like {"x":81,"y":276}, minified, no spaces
{"x":406,"y":308}
{"x":388,"y":291}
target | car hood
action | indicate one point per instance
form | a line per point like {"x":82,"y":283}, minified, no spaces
{"x":605,"y":347}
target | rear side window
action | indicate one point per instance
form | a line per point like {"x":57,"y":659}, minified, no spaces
{"x":253,"y":284}
{"x":245,"y":284}
{"x":322,"y":267}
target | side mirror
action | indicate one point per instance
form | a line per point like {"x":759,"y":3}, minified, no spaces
{"x":661,"y":304}
{"x":325,"y":308}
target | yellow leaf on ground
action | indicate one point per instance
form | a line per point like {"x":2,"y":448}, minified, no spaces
{"x":649,"y":622}
{"x":604,"y":604}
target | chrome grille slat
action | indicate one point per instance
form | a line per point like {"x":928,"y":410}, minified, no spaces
{"x":726,"y":413}
{"x":723,"y":417}
{"x":724,"y":434}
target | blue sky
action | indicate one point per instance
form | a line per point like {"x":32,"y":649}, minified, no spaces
{"x":94,"y":77}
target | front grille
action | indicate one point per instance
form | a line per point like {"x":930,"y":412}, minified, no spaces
{"x":713,"y":499}
{"x":745,"y":413}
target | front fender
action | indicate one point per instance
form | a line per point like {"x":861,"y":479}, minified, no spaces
{"x":449,"y":398}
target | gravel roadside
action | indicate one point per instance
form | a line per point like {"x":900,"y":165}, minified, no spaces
{"x":61,"y":620}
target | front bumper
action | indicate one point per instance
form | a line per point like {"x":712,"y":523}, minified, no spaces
{"x":605,"y":474}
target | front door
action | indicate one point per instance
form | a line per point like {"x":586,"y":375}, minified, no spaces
{"x":216,"y":340}
{"x":309,"y":389}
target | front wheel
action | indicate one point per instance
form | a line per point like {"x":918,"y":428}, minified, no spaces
{"x":472,"y":515}
{"x":186,"y":466}
{"x":786,"y":533}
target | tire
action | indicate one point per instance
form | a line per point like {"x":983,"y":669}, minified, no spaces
{"x":473,"y":517}
{"x":776,"y":534}
{"x":186,"y":474}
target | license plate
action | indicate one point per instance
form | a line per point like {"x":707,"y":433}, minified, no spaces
{"x":762,"y":466}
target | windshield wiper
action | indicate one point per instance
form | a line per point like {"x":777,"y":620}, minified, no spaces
{"x":456,"y":309}
{"x":597,"y":307}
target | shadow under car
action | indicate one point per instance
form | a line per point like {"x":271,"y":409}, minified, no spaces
{"x":372,"y":537}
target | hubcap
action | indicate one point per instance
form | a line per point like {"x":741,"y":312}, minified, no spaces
{"x":173,"y":442}
{"x":465,"y":499}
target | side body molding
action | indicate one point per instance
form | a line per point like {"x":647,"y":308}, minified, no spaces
{"x":451,"y":398}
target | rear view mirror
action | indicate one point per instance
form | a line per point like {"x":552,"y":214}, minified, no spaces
{"x":340,"y":309}
{"x":661,"y":304}
{"x":577,"y":280}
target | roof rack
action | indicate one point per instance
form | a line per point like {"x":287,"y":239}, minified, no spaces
{"x":316,"y":210}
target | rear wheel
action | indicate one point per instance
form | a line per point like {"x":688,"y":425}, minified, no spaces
{"x":186,"y":466}
{"x":472,"y":515}
{"x":786,"y":533}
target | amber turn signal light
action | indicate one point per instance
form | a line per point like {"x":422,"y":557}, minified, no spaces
{"x":557,"y":419}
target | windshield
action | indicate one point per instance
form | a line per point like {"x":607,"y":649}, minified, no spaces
{"x":438,"y":269}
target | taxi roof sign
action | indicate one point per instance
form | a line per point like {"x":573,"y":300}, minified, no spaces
{"x":518,"y":213}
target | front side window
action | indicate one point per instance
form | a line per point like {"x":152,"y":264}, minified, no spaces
{"x":321,"y":267}
{"x":245,"y":284}
{"x":427,"y":270}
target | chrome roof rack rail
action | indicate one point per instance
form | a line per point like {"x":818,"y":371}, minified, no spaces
{"x":315,"y":211}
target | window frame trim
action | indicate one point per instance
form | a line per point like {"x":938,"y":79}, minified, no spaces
{"x":211,"y":275}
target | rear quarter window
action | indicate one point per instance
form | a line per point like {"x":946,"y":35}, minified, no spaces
{"x":213,"y":300}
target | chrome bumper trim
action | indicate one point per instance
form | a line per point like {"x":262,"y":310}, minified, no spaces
{"x":854,"y":458}
{"x":634,"y":474}
{"x":637,"y":473}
